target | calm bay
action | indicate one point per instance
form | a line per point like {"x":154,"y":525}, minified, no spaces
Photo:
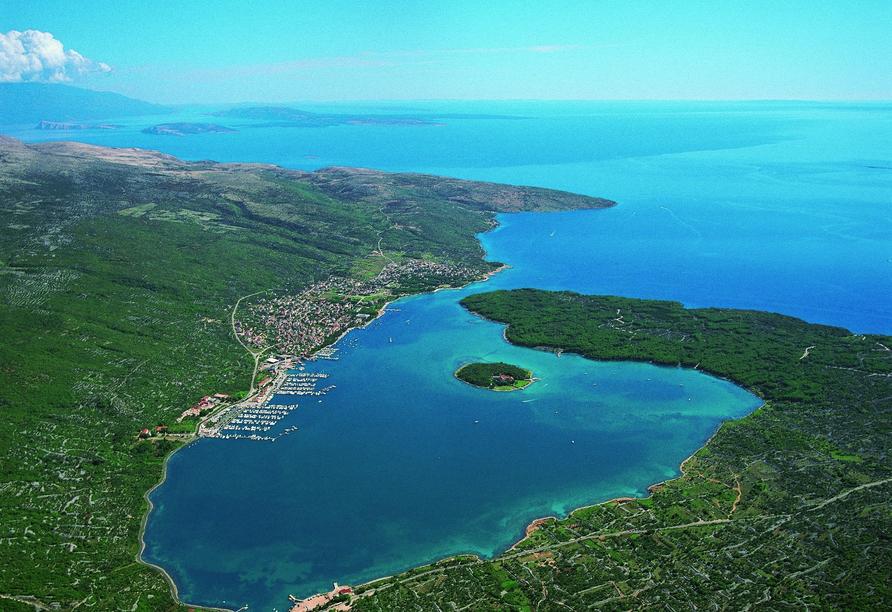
{"x":401,"y":464}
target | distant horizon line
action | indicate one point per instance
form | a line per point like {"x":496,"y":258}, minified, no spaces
{"x":440,"y":99}
{"x":525,"y":100}
{"x":366,"y":100}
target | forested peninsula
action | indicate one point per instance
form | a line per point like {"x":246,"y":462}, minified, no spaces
{"x":120,"y":270}
{"x":788,"y":508}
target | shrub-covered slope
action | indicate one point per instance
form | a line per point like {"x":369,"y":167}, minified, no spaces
{"x":119,"y":269}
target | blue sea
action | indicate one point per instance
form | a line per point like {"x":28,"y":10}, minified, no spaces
{"x":777,"y":206}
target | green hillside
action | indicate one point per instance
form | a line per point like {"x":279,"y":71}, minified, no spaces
{"x":119,"y":270}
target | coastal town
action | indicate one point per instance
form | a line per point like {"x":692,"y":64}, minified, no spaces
{"x":302,"y":326}
{"x":302,"y":323}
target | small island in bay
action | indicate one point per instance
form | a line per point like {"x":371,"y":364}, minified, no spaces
{"x":496,"y":376}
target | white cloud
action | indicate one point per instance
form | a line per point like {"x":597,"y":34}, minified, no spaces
{"x":34,"y":56}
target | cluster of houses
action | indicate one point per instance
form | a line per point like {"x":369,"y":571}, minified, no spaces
{"x":206,"y":404}
{"x":298,"y":323}
{"x":502,"y":380}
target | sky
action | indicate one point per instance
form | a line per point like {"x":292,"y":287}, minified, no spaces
{"x":224,"y":51}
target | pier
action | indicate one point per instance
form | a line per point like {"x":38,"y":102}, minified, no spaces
{"x":303,"y":383}
{"x":326,"y":353}
{"x":253,"y":418}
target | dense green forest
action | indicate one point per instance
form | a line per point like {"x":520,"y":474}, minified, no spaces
{"x":119,"y":270}
{"x":485,"y":375}
{"x":788,"y":508}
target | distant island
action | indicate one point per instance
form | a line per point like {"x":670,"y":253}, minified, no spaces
{"x":184,"y":129}
{"x":60,"y":125}
{"x":496,"y":376}
{"x":280,"y":116}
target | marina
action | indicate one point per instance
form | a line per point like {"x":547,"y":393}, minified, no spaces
{"x":303,"y":383}
{"x":253,"y":419}
{"x":326,"y":353}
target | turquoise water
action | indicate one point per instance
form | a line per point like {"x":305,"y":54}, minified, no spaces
{"x":784,"y":207}
{"x":401,"y":464}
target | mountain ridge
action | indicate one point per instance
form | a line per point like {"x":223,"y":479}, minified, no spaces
{"x":22,"y":103}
